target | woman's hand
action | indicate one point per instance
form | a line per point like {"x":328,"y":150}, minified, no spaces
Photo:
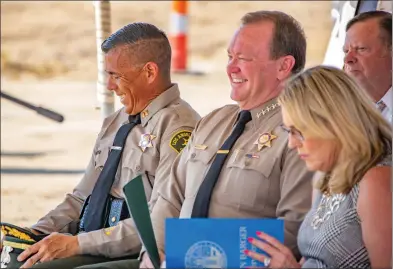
{"x":280,"y":255}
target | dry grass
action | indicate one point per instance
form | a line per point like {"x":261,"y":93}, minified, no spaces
{"x":50,"y":39}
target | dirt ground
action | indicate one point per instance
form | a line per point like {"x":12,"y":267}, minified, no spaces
{"x":48,"y":58}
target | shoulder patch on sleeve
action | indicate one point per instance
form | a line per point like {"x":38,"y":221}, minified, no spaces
{"x":179,"y":140}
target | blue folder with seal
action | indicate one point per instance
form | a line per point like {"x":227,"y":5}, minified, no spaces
{"x":216,"y":243}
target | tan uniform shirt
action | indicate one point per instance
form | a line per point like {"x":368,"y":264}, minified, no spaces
{"x":169,"y":121}
{"x":256,"y":181}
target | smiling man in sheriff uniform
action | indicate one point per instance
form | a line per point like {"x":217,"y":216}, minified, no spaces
{"x":237,"y":163}
{"x":92,"y":224}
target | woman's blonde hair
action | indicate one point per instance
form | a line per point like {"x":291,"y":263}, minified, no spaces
{"x":327,"y":103}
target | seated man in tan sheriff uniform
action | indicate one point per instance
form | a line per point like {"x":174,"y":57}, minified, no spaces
{"x":142,"y":138}
{"x":237,"y":163}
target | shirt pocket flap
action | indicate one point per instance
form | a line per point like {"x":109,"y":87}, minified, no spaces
{"x":100,"y":157}
{"x":201,"y":155}
{"x":140,"y":162}
{"x":132,"y":159}
{"x":258,"y":161}
{"x":199,"y":162}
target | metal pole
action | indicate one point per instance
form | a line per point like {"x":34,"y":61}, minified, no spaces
{"x":40,"y":110}
{"x":105,"y":98}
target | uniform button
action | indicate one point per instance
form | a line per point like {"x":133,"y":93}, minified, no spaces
{"x":138,"y":168}
{"x":193,"y":155}
{"x":113,"y":219}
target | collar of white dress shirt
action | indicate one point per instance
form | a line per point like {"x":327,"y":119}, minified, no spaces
{"x":388,"y":99}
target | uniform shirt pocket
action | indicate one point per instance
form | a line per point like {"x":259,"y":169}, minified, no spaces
{"x":132,"y":161}
{"x":140,"y":162}
{"x":248,"y":183}
{"x":136,"y":163}
{"x":100,"y":157}
{"x":198,"y":163}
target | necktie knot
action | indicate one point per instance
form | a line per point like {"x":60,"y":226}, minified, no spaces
{"x":244,"y":117}
{"x":134,"y":118}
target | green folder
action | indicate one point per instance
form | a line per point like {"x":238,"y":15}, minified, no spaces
{"x":139,"y":210}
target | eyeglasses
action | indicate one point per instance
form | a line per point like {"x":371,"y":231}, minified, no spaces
{"x":294,"y":132}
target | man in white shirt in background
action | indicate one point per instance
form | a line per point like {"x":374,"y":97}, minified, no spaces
{"x":368,"y":56}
